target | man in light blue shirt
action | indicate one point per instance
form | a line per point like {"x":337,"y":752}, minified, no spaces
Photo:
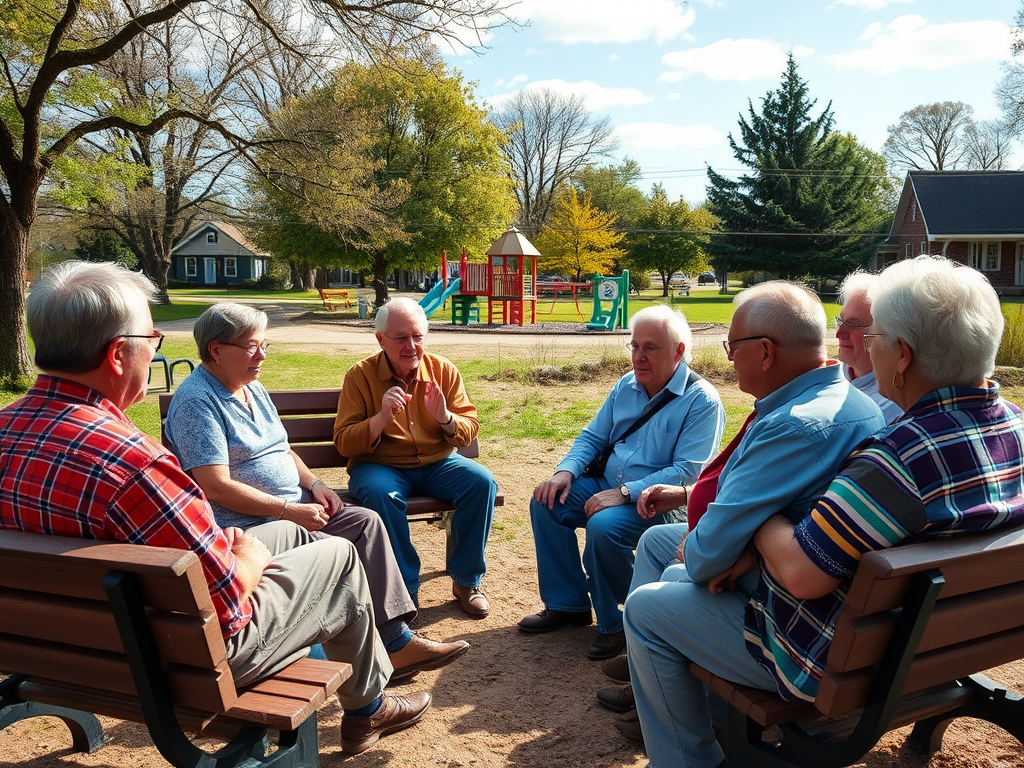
{"x":672,"y":447}
{"x":809,"y":419}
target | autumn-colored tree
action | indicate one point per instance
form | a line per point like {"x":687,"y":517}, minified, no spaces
{"x":578,"y":237}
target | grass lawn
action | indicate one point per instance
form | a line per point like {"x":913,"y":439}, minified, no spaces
{"x":243,"y":293}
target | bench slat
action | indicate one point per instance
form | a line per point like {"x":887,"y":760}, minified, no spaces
{"x":191,"y":640}
{"x":845,"y":692}
{"x":860,"y":642}
{"x":211,"y":690}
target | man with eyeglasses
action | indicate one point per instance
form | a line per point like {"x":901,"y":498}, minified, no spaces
{"x":854,"y":295}
{"x":691,"y":585}
{"x":673,"y":446}
{"x":402,"y":413}
{"x":74,"y":465}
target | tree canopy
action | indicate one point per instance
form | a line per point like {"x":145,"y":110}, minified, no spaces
{"x":810,"y":203}
{"x":578,"y":237}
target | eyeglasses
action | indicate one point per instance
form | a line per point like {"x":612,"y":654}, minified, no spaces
{"x":158,"y":335}
{"x":728,"y":345}
{"x":646,"y":350}
{"x":252,"y":347}
{"x":415,"y":338}
{"x":839,"y":324}
{"x":868,"y":337}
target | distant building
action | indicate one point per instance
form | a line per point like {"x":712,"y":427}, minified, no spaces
{"x":974,"y":217}
{"x":216,"y":253}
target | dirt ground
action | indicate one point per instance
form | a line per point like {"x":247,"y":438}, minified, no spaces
{"x":513,"y":700}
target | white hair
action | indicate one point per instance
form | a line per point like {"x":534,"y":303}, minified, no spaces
{"x":674,"y":322}
{"x":948,"y":313}
{"x":856,"y":284}
{"x":224,"y":323}
{"x":402,"y":304}
{"x":787,"y":313}
{"x":78,"y":307}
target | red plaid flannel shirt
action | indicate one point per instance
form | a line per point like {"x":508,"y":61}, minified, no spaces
{"x":72,"y":464}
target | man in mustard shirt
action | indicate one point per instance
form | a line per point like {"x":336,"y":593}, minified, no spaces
{"x":401,"y":415}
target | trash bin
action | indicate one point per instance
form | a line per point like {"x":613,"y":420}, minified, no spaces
{"x":364,"y":308}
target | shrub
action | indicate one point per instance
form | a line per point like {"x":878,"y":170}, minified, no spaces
{"x":1011,"y":348}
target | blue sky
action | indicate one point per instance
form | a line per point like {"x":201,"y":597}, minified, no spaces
{"x":673,"y":77}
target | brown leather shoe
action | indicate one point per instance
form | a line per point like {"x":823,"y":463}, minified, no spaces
{"x":617,"y":699}
{"x":474,"y":602}
{"x":617,"y":669}
{"x":420,"y":655}
{"x":629,"y":726}
{"x":358,"y":734}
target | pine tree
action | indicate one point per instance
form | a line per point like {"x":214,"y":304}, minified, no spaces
{"x":810,"y":198}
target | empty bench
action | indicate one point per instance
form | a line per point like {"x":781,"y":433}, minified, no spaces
{"x":334,"y":297}
{"x":918,"y":624}
{"x":129,"y":631}
{"x":308,"y":416}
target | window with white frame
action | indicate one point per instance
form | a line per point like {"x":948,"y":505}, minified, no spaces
{"x":211,"y":237}
{"x":985,"y":257}
{"x":230,"y":267}
{"x":924,"y":246}
{"x":190,"y":266}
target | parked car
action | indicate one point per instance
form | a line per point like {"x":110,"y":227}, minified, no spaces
{"x":705,"y":278}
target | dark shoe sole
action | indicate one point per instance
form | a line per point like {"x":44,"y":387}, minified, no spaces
{"x":428,"y":664}
{"x":584,"y":620}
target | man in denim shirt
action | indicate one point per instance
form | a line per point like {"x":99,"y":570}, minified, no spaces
{"x":672,"y":447}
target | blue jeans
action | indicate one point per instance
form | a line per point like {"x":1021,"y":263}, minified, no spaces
{"x":469,"y":485}
{"x":668,"y":624}
{"x":607,"y":554}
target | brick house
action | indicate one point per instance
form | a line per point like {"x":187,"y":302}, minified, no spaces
{"x":216,"y":253}
{"x":974,"y":217}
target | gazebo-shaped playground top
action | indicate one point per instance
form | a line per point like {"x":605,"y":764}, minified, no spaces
{"x":512,"y":284}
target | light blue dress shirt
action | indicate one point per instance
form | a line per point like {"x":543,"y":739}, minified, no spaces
{"x":788,"y":456}
{"x":672,"y":447}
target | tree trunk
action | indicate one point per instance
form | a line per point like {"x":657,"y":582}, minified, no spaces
{"x":320,"y":280}
{"x":296,"y":275}
{"x":665,"y":279}
{"x":380,"y":280}
{"x":155,"y":265}
{"x":15,"y":363}
{"x":307,"y":276}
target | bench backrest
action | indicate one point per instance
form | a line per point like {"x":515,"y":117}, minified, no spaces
{"x":977,"y":623}
{"x":56,"y":622}
{"x":308,"y":417}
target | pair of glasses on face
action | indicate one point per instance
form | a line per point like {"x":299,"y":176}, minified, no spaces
{"x":728,"y":345}
{"x":644,"y":350}
{"x":252,"y":348}
{"x":840,"y":324}
{"x":415,"y":338}
{"x":869,"y":337}
{"x":156,"y":336}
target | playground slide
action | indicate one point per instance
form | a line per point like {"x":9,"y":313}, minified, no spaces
{"x":604,"y":320}
{"x":437,"y":295}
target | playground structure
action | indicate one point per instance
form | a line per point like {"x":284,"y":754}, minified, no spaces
{"x":615,"y":292}
{"x":509,"y":281}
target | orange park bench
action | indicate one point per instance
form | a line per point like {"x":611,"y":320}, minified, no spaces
{"x":334,"y":297}
{"x":308,"y":416}
{"x":129,"y":631}
{"x":918,"y":625}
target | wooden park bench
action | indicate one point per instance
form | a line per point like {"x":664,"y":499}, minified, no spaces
{"x":918,"y":624}
{"x":334,"y":297}
{"x":308,"y":416}
{"x":129,"y":631}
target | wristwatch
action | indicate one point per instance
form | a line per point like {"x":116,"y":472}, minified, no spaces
{"x":624,"y":491}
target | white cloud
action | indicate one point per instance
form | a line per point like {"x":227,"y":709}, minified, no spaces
{"x":674,"y":96}
{"x":607,"y":21}
{"x":516,"y":81}
{"x":595,"y":97}
{"x":612,"y":57}
{"x":637,"y":137}
{"x":911,"y":42}
{"x":868,"y":5}
{"x":728,"y":59}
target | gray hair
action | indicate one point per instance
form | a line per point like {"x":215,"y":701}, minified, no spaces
{"x":788,"y":313}
{"x":223,"y":323}
{"x":402,"y":304}
{"x":857,"y":283}
{"x":674,"y":322}
{"x":77,"y":308}
{"x":948,"y":313}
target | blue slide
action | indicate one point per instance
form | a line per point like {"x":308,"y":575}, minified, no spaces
{"x":438,"y":295}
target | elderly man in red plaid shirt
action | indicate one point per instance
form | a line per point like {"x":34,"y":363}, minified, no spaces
{"x":72,"y":464}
